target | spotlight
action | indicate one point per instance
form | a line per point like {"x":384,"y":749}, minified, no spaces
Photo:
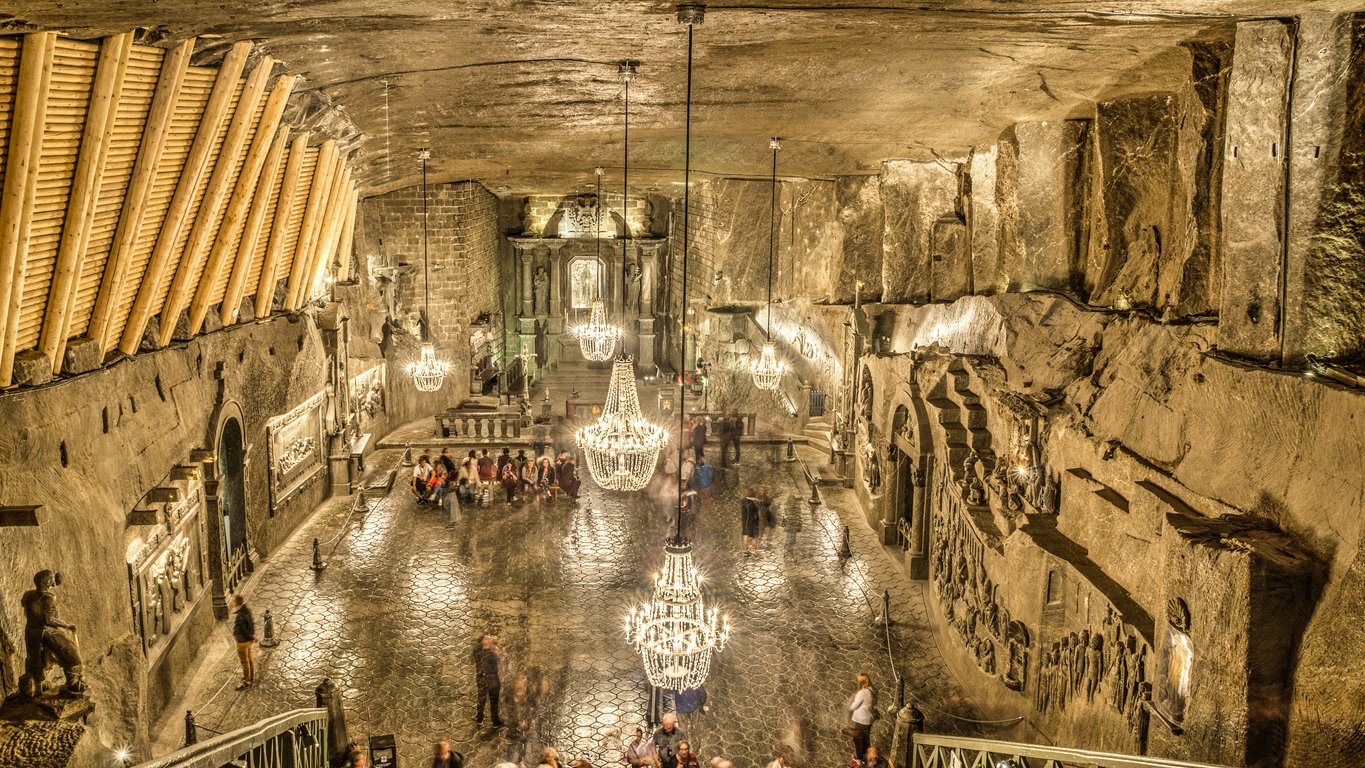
{"x":123,"y":757}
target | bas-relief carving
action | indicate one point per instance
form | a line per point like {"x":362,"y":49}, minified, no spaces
{"x":165,"y":571}
{"x":295,"y":442}
{"x":367,"y":397}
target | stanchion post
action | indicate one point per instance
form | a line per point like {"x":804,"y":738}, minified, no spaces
{"x":191,"y":729}
{"x":845,"y":549}
{"x":884,"y":619}
{"x":318,"y":565}
{"x":270,"y":641}
{"x":791,"y":450}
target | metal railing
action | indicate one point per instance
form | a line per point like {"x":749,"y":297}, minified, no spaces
{"x":931,"y":751}
{"x":296,"y":739}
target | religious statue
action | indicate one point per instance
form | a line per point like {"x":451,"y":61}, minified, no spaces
{"x":46,"y":636}
{"x":872,"y":469}
{"x":542,"y":291}
{"x":633,"y":285}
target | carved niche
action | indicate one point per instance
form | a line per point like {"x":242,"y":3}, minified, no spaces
{"x":296,"y":444}
{"x":166,"y":571}
{"x":367,"y":396}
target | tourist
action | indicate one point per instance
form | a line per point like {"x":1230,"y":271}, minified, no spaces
{"x":860,"y":716}
{"x":520,"y":705}
{"x":520,"y":460}
{"x":638,"y":752}
{"x":689,"y":465}
{"x":567,"y":473}
{"x":244,"y":635}
{"x":504,"y":459}
{"x":702,"y":476}
{"x":729,"y":438}
{"x":549,"y":758}
{"x":686,"y":757}
{"x":447,"y":461}
{"x":451,"y":499}
{"x":510,"y":481}
{"x":445,"y":757}
{"x":436,"y":486}
{"x":666,"y":741}
{"x":699,"y":436}
{"x":749,"y":521}
{"x":875,"y":760}
{"x":421,"y":476}
{"x":488,"y":469}
{"x":688,"y":426}
{"x":780,"y":757}
{"x":487,"y":661}
{"x":545,"y":479}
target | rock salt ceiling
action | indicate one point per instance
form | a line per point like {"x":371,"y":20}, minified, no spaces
{"x":524,"y":96}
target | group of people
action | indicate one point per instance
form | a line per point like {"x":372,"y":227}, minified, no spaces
{"x":479,"y":476}
{"x":728,"y":429}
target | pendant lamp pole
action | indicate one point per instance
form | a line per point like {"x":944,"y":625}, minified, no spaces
{"x":692,"y":14}
{"x":767,"y":370}
{"x":627,"y":69}
{"x":429,"y":372}
{"x":425,"y":154}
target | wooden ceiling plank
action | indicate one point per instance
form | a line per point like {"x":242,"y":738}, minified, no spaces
{"x":312,"y":214}
{"x":347,"y":235}
{"x":327,"y":232}
{"x":251,"y":230}
{"x":201,"y":151}
{"x":240,"y":203}
{"x":18,"y":196}
{"x":81,"y":205}
{"x":202,"y":231}
{"x":265,"y":288}
{"x":159,"y":118}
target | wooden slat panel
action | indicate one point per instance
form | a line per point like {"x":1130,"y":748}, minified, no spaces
{"x":9,"y":77}
{"x":190,"y":100}
{"x":107,"y":317}
{"x":344,"y":256}
{"x":73,"y":72}
{"x":312,"y":219}
{"x":135,"y":101}
{"x":330,"y":230}
{"x":85,"y":191}
{"x":188,"y":189}
{"x":230,"y":154}
{"x":301,"y":158}
{"x":253,"y":275}
{"x":243,"y":243}
{"x":17,"y":202}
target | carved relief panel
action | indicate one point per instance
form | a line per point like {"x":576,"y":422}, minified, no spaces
{"x":296,"y":445}
{"x":165,"y":571}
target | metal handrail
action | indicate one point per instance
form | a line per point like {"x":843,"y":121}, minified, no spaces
{"x":234,"y":745}
{"x":934,"y":751}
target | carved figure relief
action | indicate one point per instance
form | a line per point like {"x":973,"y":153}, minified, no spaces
{"x":583,"y":283}
{"x":48,"y":639}
{"x":165,"y":571}
{"x":296,"y":453}
{"x":295,"y":442}
{"x":541,"y":285}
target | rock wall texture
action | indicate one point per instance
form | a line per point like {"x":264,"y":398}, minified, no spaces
{"x":1138,"y":535}
{"x":464,"y":283}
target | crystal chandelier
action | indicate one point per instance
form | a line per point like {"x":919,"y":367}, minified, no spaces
{"x":622,"y":447}
{"x":674,"y":632}
{"x":429,"y":372}
{"x":767,"y":370}
{"x":597,"y":339}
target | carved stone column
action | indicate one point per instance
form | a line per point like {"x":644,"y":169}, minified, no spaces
{"x":528,"y":296}
{"x":556,"y":309}
{"x":918,"y":556}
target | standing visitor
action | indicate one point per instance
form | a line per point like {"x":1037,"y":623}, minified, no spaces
{"x":487,"y":665}
{"x":666,"y":741}
{"x":504,"y":459}
{"x":421,"y":476}
{"x":860,"y":716}
{"x":447,"y":461}
{"x":520,"y":460}
{"x":699,"y":436}
{"x":638,"y":752}
{"x":736,"y":432}
{"x":244,"y":635}
{"x":445,"y":757}
{"x":567,"y":470}
{"x":748,"y":521}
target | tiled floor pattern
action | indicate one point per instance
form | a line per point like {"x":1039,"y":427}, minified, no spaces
{"x":393,"y":619}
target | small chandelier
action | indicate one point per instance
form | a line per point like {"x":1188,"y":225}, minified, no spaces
{"x":767,"y":370}
{"x":597,"y":339}
{"x":622,"y":446}
{"x":674,"y":633}
{"x":429,"y":372}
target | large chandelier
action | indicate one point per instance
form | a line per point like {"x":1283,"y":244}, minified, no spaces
{"x":429,"y":372}
{"x":622,"y":447}
{"x":597,"y":339}
{"x":767,"y":370}
{"x":674,"y":632}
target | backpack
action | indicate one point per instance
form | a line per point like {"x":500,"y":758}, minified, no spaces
{"x":703,"y":475}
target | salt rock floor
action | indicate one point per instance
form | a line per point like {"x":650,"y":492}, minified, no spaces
{"x":394,"y":617}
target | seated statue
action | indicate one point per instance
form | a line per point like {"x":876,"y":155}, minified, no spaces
{"x":47,"y":638}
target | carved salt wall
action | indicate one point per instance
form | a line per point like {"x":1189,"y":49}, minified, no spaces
{"x":297,"y":446}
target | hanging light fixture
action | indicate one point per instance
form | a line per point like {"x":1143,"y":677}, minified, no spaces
{"x":428,"y":372}
{"x":622,"y":446}
{"x":674,"y":633}
{"x":767,"y":370}
{"x":597,"y":339}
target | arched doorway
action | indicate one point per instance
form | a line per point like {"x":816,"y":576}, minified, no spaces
{"x":232,"y":508}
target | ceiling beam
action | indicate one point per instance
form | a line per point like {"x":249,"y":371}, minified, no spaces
{"x":173,"y":67}
{"x":293,"y":167}
{"x":196,"y":164}
{"x":269,"y":177}
{"x":336,"y":213}
{"x":312,"y":214}
{"x":202,"y":230}
{"x":85,"y":192}
{"x":347,"y":234}
{"x":241,"y":202}
{"x":21,"y":183}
